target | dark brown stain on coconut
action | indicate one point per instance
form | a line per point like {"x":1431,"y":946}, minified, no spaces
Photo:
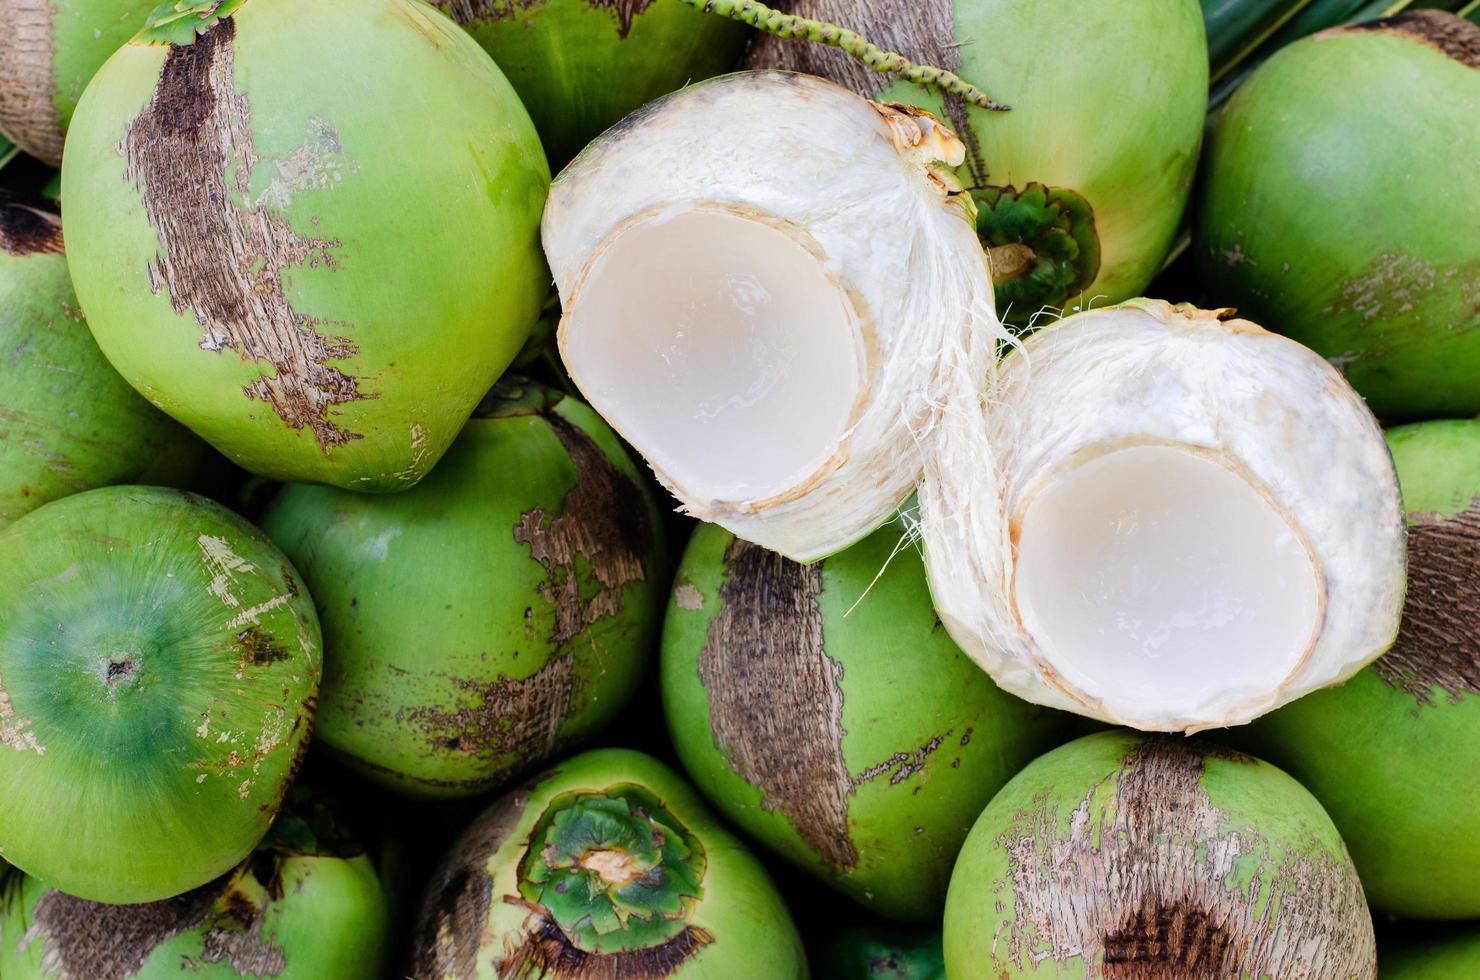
{"x":603,"y":525}
{"x":28,"y":110}
{"x":29,"y":229}
{"x":1438,"y":646}
{"x":543,"y":951}
{"x":190,"y":154}
{"x":775,"y":701}
{"x":258,"y":648}
{"x":1444,"y":32}
{"x":1145,"y":888}
{"x":478,"y":11}
{"x":504,"y":716}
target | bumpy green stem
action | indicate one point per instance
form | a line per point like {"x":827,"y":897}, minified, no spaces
{"x":772,"y":21}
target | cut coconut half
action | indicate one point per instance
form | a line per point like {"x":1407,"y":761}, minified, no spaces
{"x":1188,"y":521}
{"x":770,"y":285}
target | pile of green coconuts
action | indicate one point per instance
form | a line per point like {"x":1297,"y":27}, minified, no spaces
{"x":967,"y":489}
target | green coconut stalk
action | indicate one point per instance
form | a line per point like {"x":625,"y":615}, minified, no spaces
{"x":1448,"y":954}
{"x":881,"y":953}
{"x":159,"y":662}
{"x":1126,"y":855}
{"x":483,"y":620}
{"x":68,"y":422}
{"x":49,"y":49}
{"x":1382,"y":751}
{"x":307,"y":903}
{"x":824,"y":710}
{"x":320,"y":278}
{"x":605,"y":866}
{"x":1081,"y":186}
{"x":1390,"y":295}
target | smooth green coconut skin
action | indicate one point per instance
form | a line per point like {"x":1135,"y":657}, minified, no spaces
{"x":878,"y":953}
{"x":1129,"y":855}
{"x":1081,"y":186}
{"x":68,"y":422}
{"x":831,"y":717}
{"x":581,"y":65}
{"x":49,"y":49}
{"x":1392,"y":752}
{"x":307,"y":905}
{"x":501,"y":609}
{"x":607,"y":865}
{"x":1453,"y":954}
{"x":1334,"y":209}
{"x":309,"y":233}
{"x":159,"y":662}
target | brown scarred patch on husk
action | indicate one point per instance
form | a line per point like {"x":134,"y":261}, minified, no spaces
{"x":1444,"y":32}
{"x":1142,"y":877}
{"x":503,"y":716}
{"x":775,"y":704}
{"x":470,"y":12}
{"x":922,"y":30}
{"x":603,"y":520}
{"x":543,"y":951}
{"x":902,"y":765}
{"x":28,"y":113}
{"x":29,"y":229}
{"x":190,"y":154}
{"x":1438,"y":643}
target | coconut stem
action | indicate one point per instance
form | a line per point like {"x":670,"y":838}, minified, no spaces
{"x":772,"y":21}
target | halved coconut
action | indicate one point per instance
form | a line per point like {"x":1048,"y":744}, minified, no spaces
{"x":1187,"y":522}
{"x":770,"y":286}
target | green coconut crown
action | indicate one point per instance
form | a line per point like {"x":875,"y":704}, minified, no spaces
{"x":179,"y":21}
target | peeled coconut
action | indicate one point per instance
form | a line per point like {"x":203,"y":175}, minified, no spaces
{"x":491,"y":615}
{"x":581,"y":65}
{"x":1390,"y":753}
{"x":1302,"y":222}
{"x":1128,"y":855}
{"x":159,"y":663}
{"x":1080,"y":187}
{"x":607,"y":865}
{"x":48,"y":51}
{"x":825,"y":711}
{"x":307,"y":230}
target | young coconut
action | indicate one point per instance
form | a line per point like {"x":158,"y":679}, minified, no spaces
{"x":1388,"y":289}
{"x":769,"y":285}
{"x":306,"y":904}
{"x":48,"y":51}
{"x":1190,"y":522}
{"x":1389,"y":752}
{"x":605,"y":866}
{"x":825,"y":711}
{"x":501,"y":609}
{"x":629,"y":53}
{"x":68,"y":422}
{"x":159,"y":661}
{"x":1449,"y":954}
{"x":255,"y":255}
{"x":1080,"y":187}
{"x":1127,"y":855}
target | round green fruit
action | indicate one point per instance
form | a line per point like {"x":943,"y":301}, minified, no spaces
{"x":581,"y":65}
{"x":48,"y":51}
{"x":1081,"y":185}
{"x":307,"y":905}
{"x":320,"y":278}
{"x":68,"y":422}
{"x":1131,"y":855}
{"x":607,"y":865}
{"x":1332,"y":208}
{"x":159,"y":661}
{"x":481,"y":621}
{"x":1389,"y":753}
{"x":824,"y":709}
{"x":1450,"y":954}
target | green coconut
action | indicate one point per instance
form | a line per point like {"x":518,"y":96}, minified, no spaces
{"x":321,"y":278}
{"x":48,"y":51}
{"x":1129,"y":855}
{"x":1450,"y":954}
{"x":483,"y":620}
{"x":1080,"y":187}
{"x":1390,"y":753}
{"x":1318,"y":218}
{"x":159,"y":661}
{"x":68,"y":422}
{"x":824,"y":709}
{"x":581,"y":65}
{"x":307,"y":905}
{"x":607,"y":865}
{"x":881,"y":953}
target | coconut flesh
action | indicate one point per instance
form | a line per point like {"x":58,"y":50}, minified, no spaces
{"x":1151,"y":515}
